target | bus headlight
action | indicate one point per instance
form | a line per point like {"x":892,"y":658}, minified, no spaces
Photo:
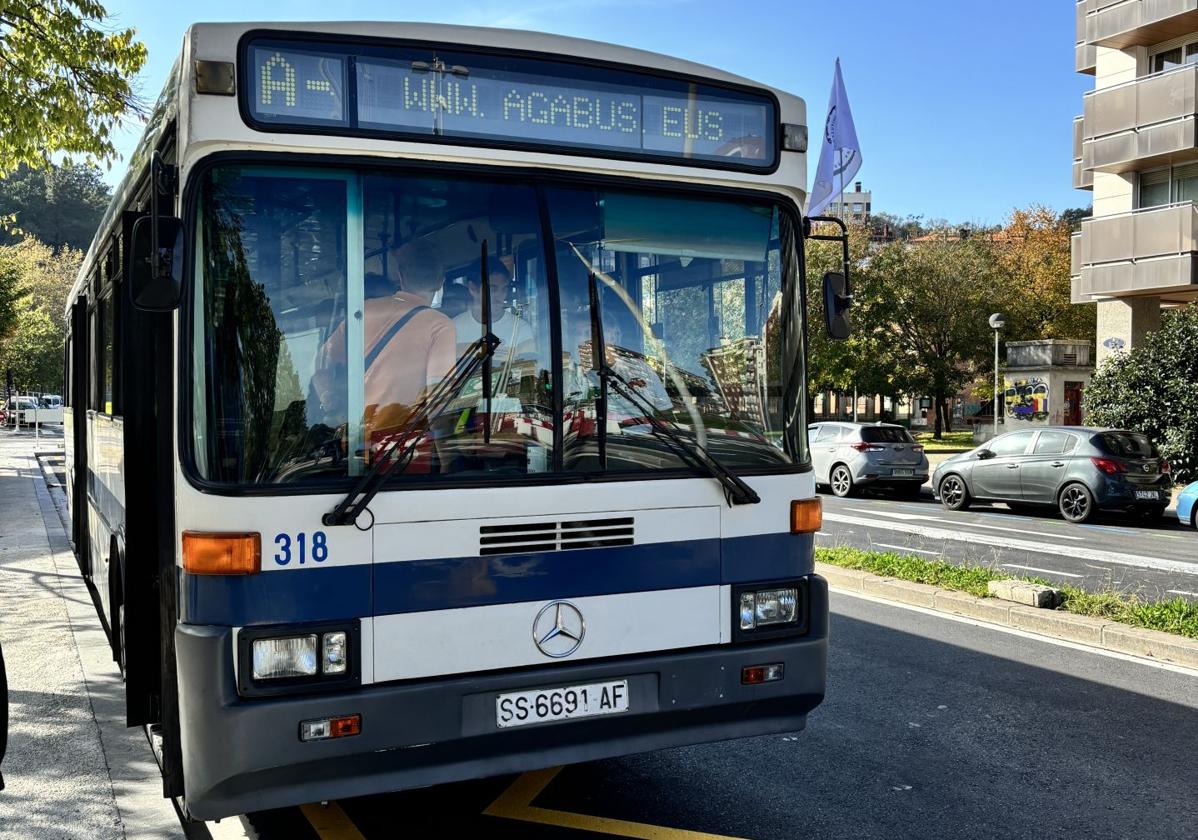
{"x":768,"y":606}
{"x":280,"y":658}
{"x":768,"y":610}
{"x":296,"y":659}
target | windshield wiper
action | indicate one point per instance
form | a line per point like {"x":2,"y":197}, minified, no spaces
{"x":736,"y":491}
{"x":394,"y":459}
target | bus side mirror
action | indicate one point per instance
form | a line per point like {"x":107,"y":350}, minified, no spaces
{"x":836,"y":306}
{"x":156,"y":285}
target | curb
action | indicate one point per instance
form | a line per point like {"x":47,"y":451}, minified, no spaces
{"x":1094,"y":632}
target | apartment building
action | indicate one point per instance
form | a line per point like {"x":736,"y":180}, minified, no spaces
{"x":854,"y":206}
{"x":1136,"y":146}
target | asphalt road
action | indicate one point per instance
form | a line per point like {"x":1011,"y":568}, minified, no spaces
{"x":933,"y":727}
{"x":1157,"y":560}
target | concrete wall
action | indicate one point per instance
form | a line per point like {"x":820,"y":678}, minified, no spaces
{"x":1040,"y":396}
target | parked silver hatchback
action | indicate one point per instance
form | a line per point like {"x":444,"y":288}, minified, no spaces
{"x":849,"y":456}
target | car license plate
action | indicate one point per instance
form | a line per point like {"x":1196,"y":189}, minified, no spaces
{"x":1149,"y":495}
{"x":520,"y":708}
{"x":902,"y":472}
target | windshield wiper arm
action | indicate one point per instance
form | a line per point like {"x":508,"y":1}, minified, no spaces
{"x":736,"y":491}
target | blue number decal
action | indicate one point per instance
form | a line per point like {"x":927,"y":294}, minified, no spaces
{"x":320,"y":547}
{"x":283,"y":541}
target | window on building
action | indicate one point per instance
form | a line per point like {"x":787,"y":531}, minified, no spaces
{"x":1176,"y":57}
{"x":1154,"y":188}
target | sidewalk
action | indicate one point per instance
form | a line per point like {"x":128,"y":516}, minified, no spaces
{"x":73,"y":769}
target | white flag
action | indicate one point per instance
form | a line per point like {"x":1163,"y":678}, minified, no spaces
{"x":840,"y":157}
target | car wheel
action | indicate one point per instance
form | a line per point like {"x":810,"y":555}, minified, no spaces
{"x":1076,"y":503}
{"x":954,"y":495}
{"x":842,"y":481}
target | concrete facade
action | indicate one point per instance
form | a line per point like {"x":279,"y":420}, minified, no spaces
{"x":856,"y":207}
{"x":1044,"y":383}
{"x":1136,"y":147}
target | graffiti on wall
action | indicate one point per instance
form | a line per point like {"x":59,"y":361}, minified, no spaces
{"x":1027,"y":399}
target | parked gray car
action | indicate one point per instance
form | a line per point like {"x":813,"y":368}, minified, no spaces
{"x":849,"y":456}
{"x":1077,"y":470}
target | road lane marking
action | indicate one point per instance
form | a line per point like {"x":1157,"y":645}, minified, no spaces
{"x":1075,"y":551}
{"x":908,"y":548}
{"x":1181,"y":592}
{"x":1014,"y":631}
{"x":515,"y":803}
{"x":959,"y":523}
{"x":1045,"y":571}
{"x":330,"y":822}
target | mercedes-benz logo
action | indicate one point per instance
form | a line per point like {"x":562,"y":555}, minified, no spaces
{"x":558,"y":629}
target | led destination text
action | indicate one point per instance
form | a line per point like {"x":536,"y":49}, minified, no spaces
{"x":301,"y":87}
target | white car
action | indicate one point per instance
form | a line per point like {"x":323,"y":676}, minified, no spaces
{"x":849,"y":456}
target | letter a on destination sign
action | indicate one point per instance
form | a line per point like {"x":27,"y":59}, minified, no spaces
{"x":840,"y":156}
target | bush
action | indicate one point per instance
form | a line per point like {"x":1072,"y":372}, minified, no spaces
{"x":1154,"y":389}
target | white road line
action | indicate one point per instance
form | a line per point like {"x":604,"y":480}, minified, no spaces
{"x":1075,"y":551}
{"x":1013,"y":631}
{"x":1181,"y":592}
{"x":908,"y":548}
{"x":958,"y":523}
{"x":1045,"y":571}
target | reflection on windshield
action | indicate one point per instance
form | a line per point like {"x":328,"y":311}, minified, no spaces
{"x":329,"y":304}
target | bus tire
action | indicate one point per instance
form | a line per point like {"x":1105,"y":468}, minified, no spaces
{"x":116,"y":600}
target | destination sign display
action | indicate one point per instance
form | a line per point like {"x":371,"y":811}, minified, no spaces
{"x":484,"y":97}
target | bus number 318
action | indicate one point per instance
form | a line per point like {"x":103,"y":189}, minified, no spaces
{"x":285,"y":542}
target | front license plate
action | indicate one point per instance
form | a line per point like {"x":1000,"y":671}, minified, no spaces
{"x":575,"y":701}
{"x":1149,"y":495}
{"x":902,"y":472}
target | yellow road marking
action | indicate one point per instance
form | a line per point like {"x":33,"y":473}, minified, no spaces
{"x":515,"y":803}
{"x":330,"y":822}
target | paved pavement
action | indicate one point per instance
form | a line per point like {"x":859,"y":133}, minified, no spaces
{"x":1157,"y":559}
{"x":73,"y":770}
{"x":933,"y":727}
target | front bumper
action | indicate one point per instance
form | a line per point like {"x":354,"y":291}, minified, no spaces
{"x":241,"y":755}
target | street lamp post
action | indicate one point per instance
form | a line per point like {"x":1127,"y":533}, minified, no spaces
{"x":997,"y":322}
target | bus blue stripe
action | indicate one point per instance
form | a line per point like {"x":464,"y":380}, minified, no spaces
{"x":338,"y":592}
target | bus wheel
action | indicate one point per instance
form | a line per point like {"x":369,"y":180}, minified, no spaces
{"x":116,"y":598}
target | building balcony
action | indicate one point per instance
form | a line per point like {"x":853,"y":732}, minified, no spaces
{"x":1130,"y":23}
{"x":1149,"y":251}
{"x":1083,"y":179}
{"x":1141,"y":123}
{"x":1085,"y":54}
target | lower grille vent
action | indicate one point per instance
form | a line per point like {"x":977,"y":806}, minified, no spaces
{"x":555,"y":536}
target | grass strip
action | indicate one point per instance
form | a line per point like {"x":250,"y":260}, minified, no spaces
{"x":948,"y":441}
{"x":1177,"y":616}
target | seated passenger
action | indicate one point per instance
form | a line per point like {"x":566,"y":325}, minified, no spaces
{"x":409,"y":346}
{"x":514,"y":333}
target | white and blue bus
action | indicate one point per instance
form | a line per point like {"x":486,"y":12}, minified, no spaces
{"x":437,"y":410}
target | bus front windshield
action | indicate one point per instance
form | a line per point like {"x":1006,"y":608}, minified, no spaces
{"x":328,"y":303}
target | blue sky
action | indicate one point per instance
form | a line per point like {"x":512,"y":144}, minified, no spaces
{"x":963,"y":109}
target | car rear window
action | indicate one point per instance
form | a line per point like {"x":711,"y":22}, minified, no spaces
{"x":885,"y":434}
{"x":1127,"y":444}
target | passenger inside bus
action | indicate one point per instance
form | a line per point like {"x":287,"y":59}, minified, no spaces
{"x":409,"y":345}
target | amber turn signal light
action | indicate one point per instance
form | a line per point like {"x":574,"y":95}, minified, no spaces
{"x":222,"y":554}
{"x":806,"y":515}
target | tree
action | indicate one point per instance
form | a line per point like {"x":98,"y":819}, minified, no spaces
{"x":1033,"y":249}
{"x":931,"y":308}
{"x":32,"y":348}
{"x":59,"y":205}
{"x":1074,"y":217}
{"x":1153,"y":388}
{"x":11,"y":292}
{"x":863,"y":362}
{"x":64,"y":81}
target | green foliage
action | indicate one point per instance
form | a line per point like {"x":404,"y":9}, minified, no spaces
{"x":60,"y":205}
{"x":32,"y":347}
{"x":1033,"y":249}
{"x":11,"y":292}
{"x":64,"y":80}
{"x":1154,"y":389}
{"x":971,"y":579}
